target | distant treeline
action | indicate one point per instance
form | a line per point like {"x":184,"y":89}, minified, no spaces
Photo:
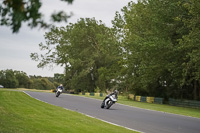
{"x":18,"y":79}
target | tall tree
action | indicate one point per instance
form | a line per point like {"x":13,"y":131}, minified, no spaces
{"x":160,"y":55}
{"x":88,"y":49}
{"x":189,"y":46}
{"x":22,"y":79}
{"x":8,"y":79}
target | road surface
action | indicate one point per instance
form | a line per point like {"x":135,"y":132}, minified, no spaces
{"x":130,"y":117}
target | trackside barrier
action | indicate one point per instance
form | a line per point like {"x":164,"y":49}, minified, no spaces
{"x":150,"y":99}
{"x":97,"y":94}
{"x":138,"y":98}
{"x":53,"y":90}
{"x":143,"y":99}
{"x":146,"y":99}
{"x":101,"y":94}
{"x":184,"y":103}
{"x":131,"y":96}
{"x":87,"y":94}
{"x":158,"y":100}
{"x":91,"y":94}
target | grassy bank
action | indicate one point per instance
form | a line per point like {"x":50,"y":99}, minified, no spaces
{"x":24,"y":89}
{"x":158,"y":107}
{"x":20,"y":113}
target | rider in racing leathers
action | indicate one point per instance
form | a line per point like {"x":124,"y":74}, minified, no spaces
{"x":61,"y":87}
{"x":114,"y":93}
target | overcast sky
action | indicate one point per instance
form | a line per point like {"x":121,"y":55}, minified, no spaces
{"x":15,"y":49}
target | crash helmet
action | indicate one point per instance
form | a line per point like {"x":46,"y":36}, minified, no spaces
{"x":115,"y":91}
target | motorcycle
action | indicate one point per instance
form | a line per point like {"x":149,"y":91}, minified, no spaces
{"x":108,"y":102}
{"x":59,"y":91}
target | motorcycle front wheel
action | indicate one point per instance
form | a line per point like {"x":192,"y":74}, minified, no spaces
{"x":57,"y":94}
{"x":102,"y":105}
{"x":109,"y":104}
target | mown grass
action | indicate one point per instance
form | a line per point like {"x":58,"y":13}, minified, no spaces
{"x":25,"y":89}
{"x":20,"y":113}
{"x":193,"y":112}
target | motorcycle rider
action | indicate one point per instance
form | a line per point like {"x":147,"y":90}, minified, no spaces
{"x":61,"y":87}
{"x":113,"y":93}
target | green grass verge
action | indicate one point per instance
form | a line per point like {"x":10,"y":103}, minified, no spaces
{"x":20,"y":113}
{"x":193,"y":112}
{"x":24,"y":89}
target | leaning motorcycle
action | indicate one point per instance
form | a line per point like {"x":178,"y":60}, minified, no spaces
{"x":108,"y":102}
{"x":58,"y":92}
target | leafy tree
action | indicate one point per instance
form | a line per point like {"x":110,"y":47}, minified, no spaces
{"x":8,"y":79}
{"x":22,"y":79}
{"x":15,"y":12}
{"x":30,"y":84}
{"x":47,"y":84}
{"x":152,"y":49}
{"x":42,"y":84}
{"x":19,"y":79}
{"x":88,"y":50}
{"x":2,"y":78}
{"x":59,"y":77}
{"x":160,"y":57}
{"x":189,"y":46}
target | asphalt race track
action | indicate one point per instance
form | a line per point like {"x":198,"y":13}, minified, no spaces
{"x":130,"y":117}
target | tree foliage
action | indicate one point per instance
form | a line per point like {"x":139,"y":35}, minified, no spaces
{"x":161,"y":53}
{"x":152,"y":49}
{"x":8,"y":79}
{"x":88,"y":49}
{"x":15,"y":12}
{"x":19,"y":79}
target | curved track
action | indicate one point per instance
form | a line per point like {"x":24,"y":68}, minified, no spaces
{"x":134,"y":118}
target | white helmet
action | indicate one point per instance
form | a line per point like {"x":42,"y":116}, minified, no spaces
{"x":116,"y":91}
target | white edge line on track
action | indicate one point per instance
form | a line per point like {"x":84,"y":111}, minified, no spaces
{"x":86,"y":114}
